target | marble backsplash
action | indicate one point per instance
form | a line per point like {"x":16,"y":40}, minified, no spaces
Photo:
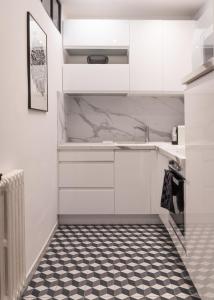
{"x":61,"y":123}
{"x":118,"y":118}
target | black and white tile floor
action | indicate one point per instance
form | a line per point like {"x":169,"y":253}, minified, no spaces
{"x":106,"y":262}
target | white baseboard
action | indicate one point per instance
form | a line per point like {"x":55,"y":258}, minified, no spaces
{"x":39,"y":257}
{"x":108,"y":219}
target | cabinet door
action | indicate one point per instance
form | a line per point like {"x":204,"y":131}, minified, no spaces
{"x":202,"y":34}
{"x":146,"y":56}
{"x":86,"y":155}
{"x":95,"y":78}
{"x":94,"y":174}
{"x":96,"y":33}
{"x":86,"y":201}
{"x":132,"y":182}
{"x":177,"y":53}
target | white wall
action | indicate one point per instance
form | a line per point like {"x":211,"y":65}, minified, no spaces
{"x":28,"y":139}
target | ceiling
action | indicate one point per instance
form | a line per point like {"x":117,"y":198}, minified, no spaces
{"x":131,"y":9}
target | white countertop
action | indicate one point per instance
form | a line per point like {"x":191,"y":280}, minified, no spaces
{"x":167,"y":149}
{"x":176,"y":152}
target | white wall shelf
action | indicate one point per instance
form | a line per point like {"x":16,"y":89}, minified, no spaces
{"x":73,"y":50}
{"x":79,"y":56}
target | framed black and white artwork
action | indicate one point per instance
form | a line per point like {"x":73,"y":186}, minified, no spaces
{"x":56,"y":13}
{"x":54,"y":10}
{"x":47,"y":5}
{"x":37,"y":65}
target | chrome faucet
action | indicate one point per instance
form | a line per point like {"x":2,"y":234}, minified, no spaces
{"x":145,"y":129}
{"x":147,"y":134}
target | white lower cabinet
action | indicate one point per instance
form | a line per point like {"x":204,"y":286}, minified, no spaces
{"x":133,"y":181}
{"x":86,"y":201}
{"x":86,"y":156}
{"x":83,"y":174}
{"x":111,"y":182}
{"x":86,"y":182}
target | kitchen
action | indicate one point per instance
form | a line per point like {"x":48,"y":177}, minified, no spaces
{"x":122,"y":153}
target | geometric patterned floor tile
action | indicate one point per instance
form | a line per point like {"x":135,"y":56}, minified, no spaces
{"x":111,"y":262}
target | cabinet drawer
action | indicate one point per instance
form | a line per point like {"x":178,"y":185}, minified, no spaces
{"x":86,"y":156}
{"x":86,"y":174}
{"x":87,"y":201}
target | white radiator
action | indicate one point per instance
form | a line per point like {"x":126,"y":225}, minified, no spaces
{"x":12,"y":245}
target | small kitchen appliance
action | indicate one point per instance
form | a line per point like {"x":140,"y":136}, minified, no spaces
{"x":175,"y":135}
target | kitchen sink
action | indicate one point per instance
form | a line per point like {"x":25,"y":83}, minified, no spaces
{"x":130,"y":142}
{"x":124,"y":142}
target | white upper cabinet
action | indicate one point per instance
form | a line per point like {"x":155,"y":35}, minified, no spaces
{"x":96,"y":33}
{"x":160,"y":55}
{"x":177,"y":53}
{"x":145,"y":57}
{"x":146,"y":52}
{"x":203,"y":36}
{"x":96,"y":37}
{"x":86,"y":78}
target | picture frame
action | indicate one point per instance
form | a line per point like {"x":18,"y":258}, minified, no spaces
{"x":56,"y":13}
{"x":48,"y":6}
{"x":54,"y":10}
{"x":37,"y":63}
